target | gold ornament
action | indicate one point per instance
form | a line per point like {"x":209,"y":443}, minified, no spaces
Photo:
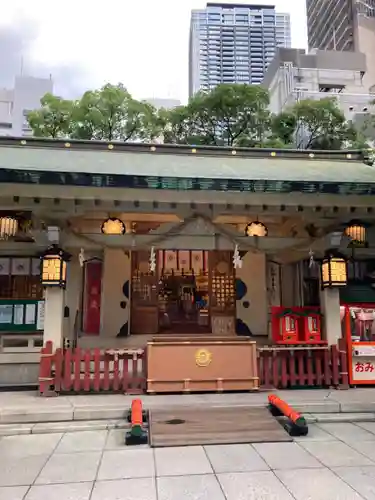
{"x":203,"y":357}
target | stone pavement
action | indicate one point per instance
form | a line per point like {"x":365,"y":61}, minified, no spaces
{"x":334,"y":462}
{"x":21,"y":407}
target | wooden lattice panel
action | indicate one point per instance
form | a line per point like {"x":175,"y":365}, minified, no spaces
{"x":223,"y":297}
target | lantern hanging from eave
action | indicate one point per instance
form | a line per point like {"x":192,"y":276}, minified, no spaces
{"x":8,"y":227}
{"x":53,"y":267}
{"x":333,"y":270}
{"x":256,"y":228}
{"x":113,"y":227}
{"x":356,"y":231}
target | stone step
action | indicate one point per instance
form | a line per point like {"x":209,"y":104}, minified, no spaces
{"x":68,"y":426}
{"x":98,"y":425}
{"x":51,"y":411}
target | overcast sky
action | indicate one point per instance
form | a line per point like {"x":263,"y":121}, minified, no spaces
{"x":143,"y":44}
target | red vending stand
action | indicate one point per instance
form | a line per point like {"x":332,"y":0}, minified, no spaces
{"x":311,"y":332}
{"x":358,"y":322}
{"x":296,"y":325}
{"x":284,"y":325}
{"x":289,"y":328}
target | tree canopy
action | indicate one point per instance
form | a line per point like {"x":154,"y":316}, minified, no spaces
{"x":229,"y":115}
{"x":53,"y":119}
{"x":109,"y":113}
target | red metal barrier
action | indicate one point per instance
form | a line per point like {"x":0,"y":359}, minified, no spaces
{"x":292,"y":367}
{"x":296,"y":424}
{"x":137,"y":434}
{"x":136,"y":413}
{"x":91,"y":370}
{"x":295,"y":417}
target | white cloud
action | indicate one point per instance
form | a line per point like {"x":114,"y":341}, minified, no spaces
{"x":143,"y":44}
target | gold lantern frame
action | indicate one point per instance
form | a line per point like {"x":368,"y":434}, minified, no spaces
{"x":256,"y":228}
{"x":333,"y":269}
{"x":53,"y":267}
{"x":8,"y":226}
{"x":113,"y":226}
{"x":356,"y":231}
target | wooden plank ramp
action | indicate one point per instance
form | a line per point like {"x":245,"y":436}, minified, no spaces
{"x":200,"y":426}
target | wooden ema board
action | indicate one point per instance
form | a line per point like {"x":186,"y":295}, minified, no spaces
{"x":196,"y":426}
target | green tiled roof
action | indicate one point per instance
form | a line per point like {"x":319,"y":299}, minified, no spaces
{"x":185,"y":165}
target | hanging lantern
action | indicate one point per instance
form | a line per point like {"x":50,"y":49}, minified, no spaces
{"x":54,"y":266}
{"x":357,"y":234}
{"x":113,"y":227}
{"x":333,"y":270}
{"x":8,"y":227}
{"x":256,"y":229}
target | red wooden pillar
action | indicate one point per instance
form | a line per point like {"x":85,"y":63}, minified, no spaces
{"x":92,"y":292}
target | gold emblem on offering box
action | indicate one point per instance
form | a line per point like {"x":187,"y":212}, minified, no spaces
{"x":203,"y":357}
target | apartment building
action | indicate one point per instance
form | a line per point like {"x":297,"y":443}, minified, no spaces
{"x":234,"y":43}
{"x":295,"y":75}
{"x":15,"y":103}
{"x":344,"y":25}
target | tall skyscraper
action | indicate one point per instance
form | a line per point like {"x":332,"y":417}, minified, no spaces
{"x":344,"y":25}
{"x":234,"y":43}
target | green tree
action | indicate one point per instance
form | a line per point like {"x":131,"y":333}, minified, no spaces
{"x":111,"y":113}
{"x":176,"y":125}
{"x":53,"y":119}
{"x":107,"y":114}
{"x":228,"y":115}
{"x":283,"y":128}
{"x":364,"y":127}
{"x":320,"y":124}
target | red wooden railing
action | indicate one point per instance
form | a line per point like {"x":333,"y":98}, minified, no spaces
{"x":94,"y":370}
{"x":91,"y":370}
{"x":292,"y":367}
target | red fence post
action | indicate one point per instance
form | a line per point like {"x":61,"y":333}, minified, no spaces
{"x":301,"y":363}
{"x":87,"y":367}
{"x":46,"y":376}
{"x":266,"y":361}
{"x":144,"y":370}
{"x":59,"y":358}
{"x":317,"y":354}
{"x":284,"y":370}
{"x":290,"y":367}
{"x":97,"y":376}
{"x":335,"y":360}
{"x":310,"y":368}
{"x":136,"y":375}
{"x":344,"y":375}
{"x":76,"y":370}
{"x":327,"y":367}
{"x":116,"y":372}
{"x":67,"y":379}
{"x":106,"y":379}
{"x":275,"y":369}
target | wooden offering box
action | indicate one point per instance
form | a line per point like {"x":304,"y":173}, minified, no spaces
{"x":201,"y":364}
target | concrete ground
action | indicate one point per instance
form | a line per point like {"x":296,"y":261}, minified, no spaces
{"x":334,"y":462}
